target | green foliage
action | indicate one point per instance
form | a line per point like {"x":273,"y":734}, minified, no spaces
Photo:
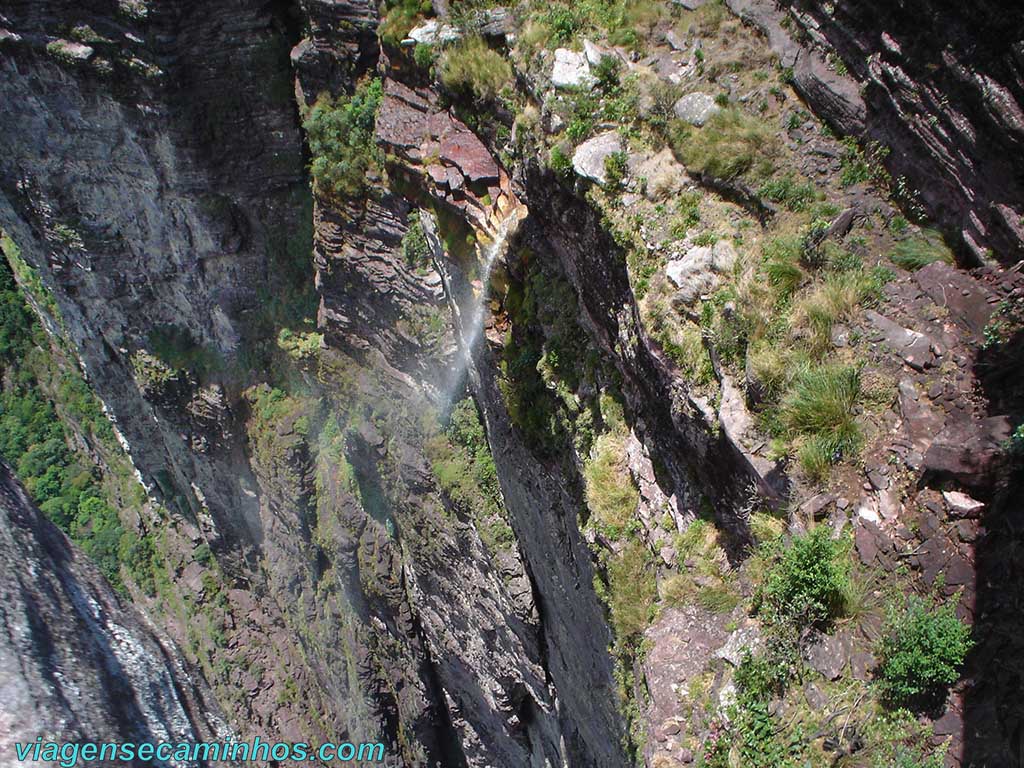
{"x":474,"y":69}
{"x":729,"y":145}
{"x":611,"y":495}
{"x":423,"y":55}
{"x":794,"y":195}
{"x":921,"y":250}
{"x":921,"y":653}
{"x":340,"y":133}
{"x":615,"y":168}
{"x":687,"y":212}
{"x":38,"y":446}
{"x":560,"y":162}
{"x":415,"y":250}
{"x":808,"y":582}
{"x":632,"y":588}
{"x":462,"y":463}
{"x":859,"y":165}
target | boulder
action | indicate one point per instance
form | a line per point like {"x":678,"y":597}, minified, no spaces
{"x":696,"y":108}
{"x":968,"y":450}
{"x":745,"y":639}
{"x":433,"y":32}
{"x":915,"y":348}
{"x":571,"y":70}
{"x":588,"y":159}
{"x":697,"y":272}
{"x":827,"y":655}
{"x":962,"y":505}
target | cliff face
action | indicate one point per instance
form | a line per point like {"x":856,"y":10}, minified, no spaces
{"x":374,"y":428}
{"x":939,"y":85}
{"x":77,"y":663}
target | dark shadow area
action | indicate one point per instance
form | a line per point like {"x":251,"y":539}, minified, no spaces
{"x":993,"y":703}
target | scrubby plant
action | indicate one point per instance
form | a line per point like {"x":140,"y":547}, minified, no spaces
{"x":473,"y":68}
{"x":632,"y":589}
{"x":809,"y":581}
{"x":560,"y":162}
{"x":615,"y":168}
{"x":340,"y":134}
{"x":921,"y":653}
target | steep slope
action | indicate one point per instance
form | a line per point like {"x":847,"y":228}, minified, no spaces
{"x":77,"y":664}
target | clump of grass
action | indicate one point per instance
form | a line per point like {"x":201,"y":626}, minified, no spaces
{"x":729,"y":145}
{"x":921,"y":250}
{"x":794,"y":195}
{"x":611,"y":495}
{"x":632,"y":589}
{"x":817,"y":414}
{"x":472,"y":68}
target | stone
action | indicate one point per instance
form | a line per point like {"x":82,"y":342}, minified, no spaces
{"x":746,"y":638}
{"x":816,"y":505}
{"x":70,"y":50}
{"x":968,"y":450}
{"x":571,"y":70}
{"x":495,"y":22}
{"x":915,"y":348}
{"x":588,"y":159}
{"x":861,"y":665}
{"x":816,"y":699}
{"x":696,"y":108}
{"x":865,"y":539}
{"x":827,"y":655}
{"x":433,"y":32}
{"x":962,"y":505}
{"x":595,"y":53}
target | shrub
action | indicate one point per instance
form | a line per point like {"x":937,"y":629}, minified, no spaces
{"x":730,"y":144}
{"x":560,"y":162}
{"x":340,"y":133}
{"x":472,"y":68}
{"x":423,"y":55}
{"x":921,"y":250}
{"x":809,"y":582}
{"x":921,"y":653}
{"x":415,"y":249}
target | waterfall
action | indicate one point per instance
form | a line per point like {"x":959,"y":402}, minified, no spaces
{"x":492,"y":243}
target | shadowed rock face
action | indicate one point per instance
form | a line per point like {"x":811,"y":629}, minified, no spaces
{"x":75,"y":663}
{"x":940,"y":84}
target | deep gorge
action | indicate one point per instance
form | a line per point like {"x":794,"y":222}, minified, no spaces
{"x":486,"y":381}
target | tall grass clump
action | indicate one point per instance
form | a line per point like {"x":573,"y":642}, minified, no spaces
{"x":817,"y":415}
{"x":921,"y":250}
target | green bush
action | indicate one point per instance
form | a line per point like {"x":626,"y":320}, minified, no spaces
{"x":340,"y":134}
{"x":921,"y":250}
{"x":472,"y":68}
{"x":809,"y":581}
{"x":560,"y":162}
{"x":611,"y":495}
{"x":921,"y":653}
{"x":730,"y":144}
